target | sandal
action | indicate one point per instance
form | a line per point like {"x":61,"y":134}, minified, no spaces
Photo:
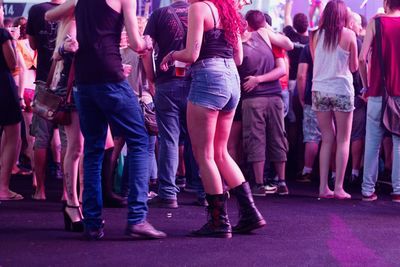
{"x":13,"y":196}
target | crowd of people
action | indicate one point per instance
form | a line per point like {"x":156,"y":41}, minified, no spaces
{"x":236,"y":104}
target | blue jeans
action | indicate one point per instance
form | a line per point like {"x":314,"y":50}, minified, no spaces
{"x":170,"y":101}
{"x":152,"y":166}
{"x":114,"y":104}
{"x":373,"y":139}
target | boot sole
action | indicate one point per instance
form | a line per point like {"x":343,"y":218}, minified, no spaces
{"x":250,"y":228}
{"x":217,"y":235}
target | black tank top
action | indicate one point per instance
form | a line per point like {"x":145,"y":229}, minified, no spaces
{"x":99,"y":27}
{"x":214,"y":43}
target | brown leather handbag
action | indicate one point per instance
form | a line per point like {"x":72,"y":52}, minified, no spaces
{"x":50,"y":106}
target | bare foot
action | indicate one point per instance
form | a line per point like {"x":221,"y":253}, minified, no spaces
{"x":326,"y":193}
{"x":10,"y":195}
{"x":39,"y":195}
{"x":341,"y":194}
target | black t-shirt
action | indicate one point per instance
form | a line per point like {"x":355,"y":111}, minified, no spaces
{"x":356,"y":75}
{"x":4,"y":37}
{"x":258,"y":59}
{"x":299,"y":42}
{"x":305,"y":57}
{"x":45,"y":34}
{"x":166,"y":31}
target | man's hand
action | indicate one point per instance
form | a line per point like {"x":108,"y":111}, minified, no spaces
{"x":127,"y":69}
{"x":152,"y":89}
{"x":251,"y":83}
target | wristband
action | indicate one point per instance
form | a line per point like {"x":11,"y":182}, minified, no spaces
{"x":171,"y":57}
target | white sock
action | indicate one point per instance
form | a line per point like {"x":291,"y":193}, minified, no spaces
{"x":355,"y":172}
{"x":282,"y":182}
{"x":306,"y":170}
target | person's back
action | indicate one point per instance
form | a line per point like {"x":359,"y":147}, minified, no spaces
{"x":98,"y":59}
{"x":45,"y":34}
{"x":103,"y":98}
{"x":331,"y":67}
{"x":42,"y":37}
{"x":169,"y":33}
{"x":258,"y":59}
{"x":391,"y":54}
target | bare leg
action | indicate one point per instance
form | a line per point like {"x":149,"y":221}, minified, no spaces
{"x":357,"y":148}
{"x":201,"y":125}
{"x":310,"y":152}
{"x":11,"y":135}
{"x":343,"y":122}
{"x":228,"y":168}
{"x":258,"y":169}
{"x":40,"y":158}
{"x":326,"y":126}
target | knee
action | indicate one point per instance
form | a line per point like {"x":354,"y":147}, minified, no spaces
{"x":203,"y":155}
{"x":75,"y":152}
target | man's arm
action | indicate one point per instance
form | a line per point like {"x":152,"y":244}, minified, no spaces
{"x":363,"y":58}
{"x":277,"y":39}
{"x":10,"y":55}
{"x":302,"y":81}
{"x":32,"y":42}
{"x":61,"y":11}
{"x":148,"y":66}
{"x":137,"y":43}
{"x":253,"y":81}
{"x":288,"y":13}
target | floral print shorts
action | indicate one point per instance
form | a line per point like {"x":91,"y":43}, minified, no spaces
{"x":332,"y":102}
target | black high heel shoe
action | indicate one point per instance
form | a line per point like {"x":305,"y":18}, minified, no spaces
{"x":69,"y":224}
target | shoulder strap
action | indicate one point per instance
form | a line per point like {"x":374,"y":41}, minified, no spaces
{"x":51,"y":73}
{"x":71,"y":79}
{"x":180,"y":26}
{"x":177,"y":18}
{"x":378,"y":37}
{"x":212,"y":13}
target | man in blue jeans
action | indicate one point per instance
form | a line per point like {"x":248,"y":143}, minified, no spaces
{"x":104,"y":97}
{"x":167,"y":27}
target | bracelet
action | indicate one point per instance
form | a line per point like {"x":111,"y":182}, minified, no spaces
{"x":61,"y":50}
{"x":171,"y":56}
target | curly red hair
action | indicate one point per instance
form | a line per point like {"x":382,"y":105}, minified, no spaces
{"x":230,"y":19}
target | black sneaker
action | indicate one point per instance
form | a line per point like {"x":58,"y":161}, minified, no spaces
{"x":304,"y":178}
{"x":258,"y":191}
{"x":282,"y":190}
{"x":163,"y":203}
{"x":94,"y":234}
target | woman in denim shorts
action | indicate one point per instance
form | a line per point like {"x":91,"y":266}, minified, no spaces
{"x":214,"y":45}
{"x":335,"y":58}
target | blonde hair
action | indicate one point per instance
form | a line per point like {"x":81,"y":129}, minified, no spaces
{"x":62,"y":31}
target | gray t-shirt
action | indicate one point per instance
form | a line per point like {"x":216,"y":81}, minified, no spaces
{"x":258,"y":59}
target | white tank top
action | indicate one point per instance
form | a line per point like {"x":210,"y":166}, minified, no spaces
{"x":331,"y":70}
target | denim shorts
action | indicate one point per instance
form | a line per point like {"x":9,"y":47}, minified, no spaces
{"x":215,"y":84}
{"x":311,"y":132}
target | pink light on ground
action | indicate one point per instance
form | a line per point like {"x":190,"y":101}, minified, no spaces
{"x":347,"y":249}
